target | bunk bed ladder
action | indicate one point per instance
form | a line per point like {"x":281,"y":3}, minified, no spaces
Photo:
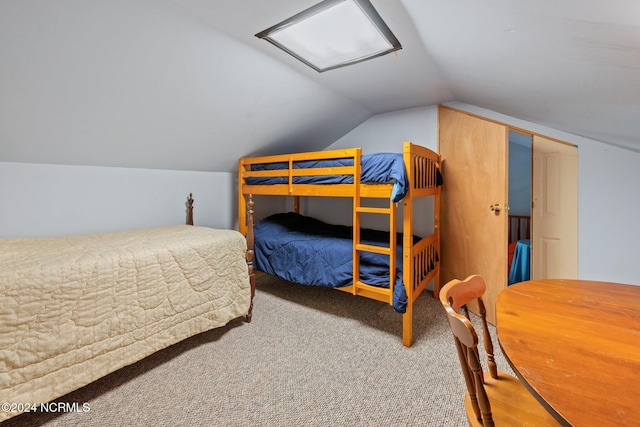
{"x":382,"y":294}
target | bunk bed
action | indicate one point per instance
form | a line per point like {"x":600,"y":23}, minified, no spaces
{"x":411,"y":262}
{"x":76,"y":308}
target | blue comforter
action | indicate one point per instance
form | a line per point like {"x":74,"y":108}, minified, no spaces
{"x":377,"y":168}
{"x":308,"y":251}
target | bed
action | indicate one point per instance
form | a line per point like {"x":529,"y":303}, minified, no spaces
{"x":395,"y":267}
{"x":76,"y":308}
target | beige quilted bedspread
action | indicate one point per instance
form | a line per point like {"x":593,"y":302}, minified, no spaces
{"x":73,"y":309}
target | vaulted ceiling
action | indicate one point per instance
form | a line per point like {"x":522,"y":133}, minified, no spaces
{"x":185,"y":84}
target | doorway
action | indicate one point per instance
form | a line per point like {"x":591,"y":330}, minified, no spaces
{"x":554,"y":213}
{"x":519,"y":212}
{"x":475,"y":198}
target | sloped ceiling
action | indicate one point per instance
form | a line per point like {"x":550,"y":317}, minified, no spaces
{"x":184,"y":84}
{"x":573,"y":65}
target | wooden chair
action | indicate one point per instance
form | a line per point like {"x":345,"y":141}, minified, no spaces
{"x":492,"y":398}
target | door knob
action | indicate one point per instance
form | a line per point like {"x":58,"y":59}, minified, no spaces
{"x":496,"y":208}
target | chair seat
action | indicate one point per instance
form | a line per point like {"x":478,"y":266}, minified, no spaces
{"x":511,"y":404}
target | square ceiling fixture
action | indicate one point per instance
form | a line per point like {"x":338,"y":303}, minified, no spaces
{"x":333,"y":33}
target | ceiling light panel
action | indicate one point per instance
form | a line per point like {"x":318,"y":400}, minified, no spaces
{"x":333,"y":33}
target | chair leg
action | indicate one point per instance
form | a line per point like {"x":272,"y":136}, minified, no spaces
{"x":486,"y":338}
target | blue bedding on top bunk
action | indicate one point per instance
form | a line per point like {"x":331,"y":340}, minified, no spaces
{"x":308,"y":251}
{"x":377,"y":168}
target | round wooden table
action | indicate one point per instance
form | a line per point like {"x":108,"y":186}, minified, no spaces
{"x":575,"y":344}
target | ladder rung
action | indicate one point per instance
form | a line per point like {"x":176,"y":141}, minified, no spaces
{"x":364,"y":209}
{"x":372,"y":248}
{"x":375,"y":289}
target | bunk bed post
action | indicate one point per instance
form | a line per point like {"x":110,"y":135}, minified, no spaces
{"x":356,"y":219}
{"x":393,"y":229}
{"x":436,"y":229}
{"x":242,"y":202}
{"x":252,"y":275}
{"x":407,"y":246}
{"x":296,"y":204}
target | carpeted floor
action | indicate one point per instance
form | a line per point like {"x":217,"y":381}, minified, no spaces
{"x":311,"y":357}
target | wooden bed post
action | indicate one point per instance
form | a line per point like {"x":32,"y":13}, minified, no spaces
{"x":296,"y":204}
{"x":245,"y":226}
{"x":190,"y":209}
{"x":242,"y":202}
{"x":252,"y":275}
{"x":436,"y":229}
{"x":408,"y":266}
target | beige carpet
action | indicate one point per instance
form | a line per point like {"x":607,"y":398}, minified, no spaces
{"x":311,"y":357}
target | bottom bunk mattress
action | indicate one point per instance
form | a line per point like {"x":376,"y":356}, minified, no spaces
{"x":308,"y":251}
{"x":76,"y":308}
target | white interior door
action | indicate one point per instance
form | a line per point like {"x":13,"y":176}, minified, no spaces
{"x":554,"y":232}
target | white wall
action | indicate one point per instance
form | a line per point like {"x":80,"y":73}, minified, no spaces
{"x":49,"y":200}
{"x":40,"y":200}
{"x":383,"y":133}
{"x":609,"y":232}
{"x":386,"y":132}
{"x":608,"y":202}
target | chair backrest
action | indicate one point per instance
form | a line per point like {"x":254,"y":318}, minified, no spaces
{"x":454,"y":296}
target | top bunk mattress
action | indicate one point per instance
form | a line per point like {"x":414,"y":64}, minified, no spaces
{"x":377,"y":168}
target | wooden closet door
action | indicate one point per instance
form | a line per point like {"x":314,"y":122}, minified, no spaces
{"x":474,"y":237}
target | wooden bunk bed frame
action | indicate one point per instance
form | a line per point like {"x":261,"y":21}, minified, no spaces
{"x":422,"y":166}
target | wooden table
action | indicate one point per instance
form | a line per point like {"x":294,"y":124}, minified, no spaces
{"x":575,"y":344}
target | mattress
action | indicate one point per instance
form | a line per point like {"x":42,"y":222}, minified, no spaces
{"x":377,"y":168}
{"x":308,"y":251}
{"x":73,"y":309}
